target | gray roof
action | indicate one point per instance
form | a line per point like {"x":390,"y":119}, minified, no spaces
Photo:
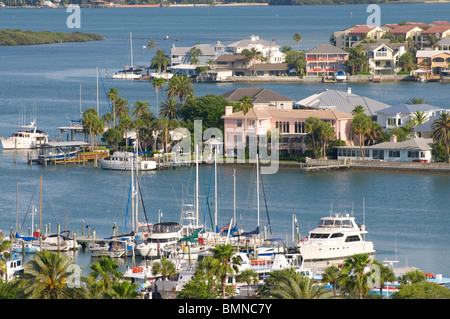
{"x":444,"y":41}
{"x":422,"y":144}
{"x":248,"y":42}
{"x":207,"y":49}
{"x":258,"y":95}
{"x":409,"y":108}
{"x":426,"y":127}
{"x":342,"y":101}
{"x":326,"y":48}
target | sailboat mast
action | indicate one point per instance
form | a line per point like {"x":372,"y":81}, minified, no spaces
{"x":196,"y":184}
{"x":215,"y":190}
{"x":98,"y":111}
{"x":234,"y":196}
{"x":131,"y":46}
{"x":132,"y":194}
{"x":257,"y":184}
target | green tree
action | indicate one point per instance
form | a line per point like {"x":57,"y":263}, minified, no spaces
{"x":422,"y":290}
{"x":158,"y":83}
{"x":108,"y":118}
{"x":140,"y":108}
{"x":92,"y":124}
{"x":251,"y":57}
{"x":298,"y":38}
{"x":418,"y":118}
{"x":122,"y":290}
{"x":160,"y":61}
{"x":357,"y":59}
{"x":441,"y":132}
{"x":358,"y":109}
{"x":103,"y":274}
{"x":386,"y":274}
{"x":331,"y":276}
{"x":4,"y":253}
{"x":166,"y":269}
{"x":171,"y":109}
{"x":361,"y":124}
{"x":312,"y":126}
{"x":195,"y":53}
{"x":416,"y":100}
{"x":224,"y":263}
{"x":413,"y":277}
{"x":203,"y":284}
{"x":46,"y":276}
{"x":407,"y":61}
{"x":180,"y":87}
{"x":248,"y":276}
{"x":354,"y":274}
{"x":326,"y":133}
{"x":113,"y":95}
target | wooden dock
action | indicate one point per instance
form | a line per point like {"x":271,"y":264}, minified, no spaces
{"x":79,"y":158}
{"x":323,"y":164}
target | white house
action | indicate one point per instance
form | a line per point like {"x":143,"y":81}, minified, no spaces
{"x":399,"y":115}
{"x":412,"y":150}
{"x":384,"y":57}
{"x":268,"y":50}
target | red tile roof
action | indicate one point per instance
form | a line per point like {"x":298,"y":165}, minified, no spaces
{"x":361,"y":29}
{"x":436,"y":29}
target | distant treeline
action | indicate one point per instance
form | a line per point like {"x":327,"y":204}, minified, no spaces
{"x":18,"y":37}
{"x":324,"y":2}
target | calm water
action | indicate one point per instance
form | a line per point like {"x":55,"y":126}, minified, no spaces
{"x":406,"y":214}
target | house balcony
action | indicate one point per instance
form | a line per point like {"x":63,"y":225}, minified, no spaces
{"x":321,"y":70}
{"x":326,"y":59}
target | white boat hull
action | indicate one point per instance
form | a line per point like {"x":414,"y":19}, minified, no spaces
{"x":9,"y":143}
{"x":126,"y":76}
{"x":126,"y":165}
{"x":336,"y":252}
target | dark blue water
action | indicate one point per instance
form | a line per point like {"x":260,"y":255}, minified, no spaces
{"x":406,"y":214}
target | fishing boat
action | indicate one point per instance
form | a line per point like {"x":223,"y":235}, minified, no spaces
{"x":60,"y":151}
{"x":336,"y":238}
{"x":27,"y":137}
{"x":340,"y":76}
{"x":161,"y":235}
{"x":123,"y":160}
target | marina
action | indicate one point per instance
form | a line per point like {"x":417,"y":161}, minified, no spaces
{"x":405,"y":215}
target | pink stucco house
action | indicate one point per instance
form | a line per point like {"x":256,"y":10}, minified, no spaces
{"x":290,"y":122}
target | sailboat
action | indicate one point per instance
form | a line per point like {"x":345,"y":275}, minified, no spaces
{"x":129,"y":72}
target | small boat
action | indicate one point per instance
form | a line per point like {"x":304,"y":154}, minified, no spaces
{"x":65,"y":243}
{"x":14,"y":267}
{"x":21,"y":247}
{"x":123,"y":161}
{"x":114,"y":248}
{"x":27,"y":137}
{"x":335,"y":238}
{"x":340,"y":76}
{"x":160,"y":236}
{"x":129,"y":72}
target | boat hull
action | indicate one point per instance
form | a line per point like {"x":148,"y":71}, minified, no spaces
{"x":126,"y":165}
{"x":22,"y":143}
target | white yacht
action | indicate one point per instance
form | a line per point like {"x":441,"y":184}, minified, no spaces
{"x":123,"y":161}
{"x":28,"y":136}
{"x":161,"y":235}
{"x":335,"y":239}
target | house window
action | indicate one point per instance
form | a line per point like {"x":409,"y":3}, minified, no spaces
{"x":412,"y":154}
{"x":399,"y":122}
{"x":391,"y":121}
{"x":394,"y":153}
{"x":251,"y":124}
{"x":239,"y":123}
{"x":381,"y":53}
{"x":422,"y":154}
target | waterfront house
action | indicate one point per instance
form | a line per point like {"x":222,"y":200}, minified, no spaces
{"x":260,"y":98}
{"x":341,"y":101}
{"x":268,"y":50}
{"x":384,"y":57}
{"x":237,"y":63}
{"x":440,"y":31}
{"x":325,"y":59}
{"x":444,"y":44}
{"x":407,"y":31}
{"x":259,"y":121}
{"x":435,"y":61}
{"x":353,"y":35}
{"x":401,"y":114}
{"x":412,"y":150}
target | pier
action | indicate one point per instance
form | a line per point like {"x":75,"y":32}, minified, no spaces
{"x":323,"y":164}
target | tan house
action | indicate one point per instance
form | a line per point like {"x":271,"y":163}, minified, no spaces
{"x":408,"y":31}
{"x":351,"y":36}
{"x":435,"y":61}
{"x":440,"y":31}
{"x":290,"y":123}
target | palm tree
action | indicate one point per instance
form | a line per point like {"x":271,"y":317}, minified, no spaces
{"x":361,"y":124}
{"x":248,"y":276}
{"x":312,"y":125}
{"x":122,"y":106}
{"x":416,"y":100}
{"x":441,"y":132}
{"x":158,"y":83}
{"x":358,"y":109}
{"x":326,"y":133}
{"x":91,"y":123}
{"x":298,"y":38}
{"x":46,"y":276}
{"x":251,"y":56}
{"x":246,"y":104}
{"x":113,"y":95}
{"x":170,"y":109}
{"x":122,"y":290}
{"x":108,"y":118}
{"x":195,"y":53}
{"x":331,"y":275}
{"x":180,"y":86}
{"x":166,"y":268}
{"x":103,"y":274}
{"x":386,"y":274}
{"x":140,"y":108}
{"x":354,"y":274}
{"x":224,"y":263}
{"x":418,"y":118}
{"x":126,"y":124}
{"x":160,"y":61}
{"x":293,"y":285}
